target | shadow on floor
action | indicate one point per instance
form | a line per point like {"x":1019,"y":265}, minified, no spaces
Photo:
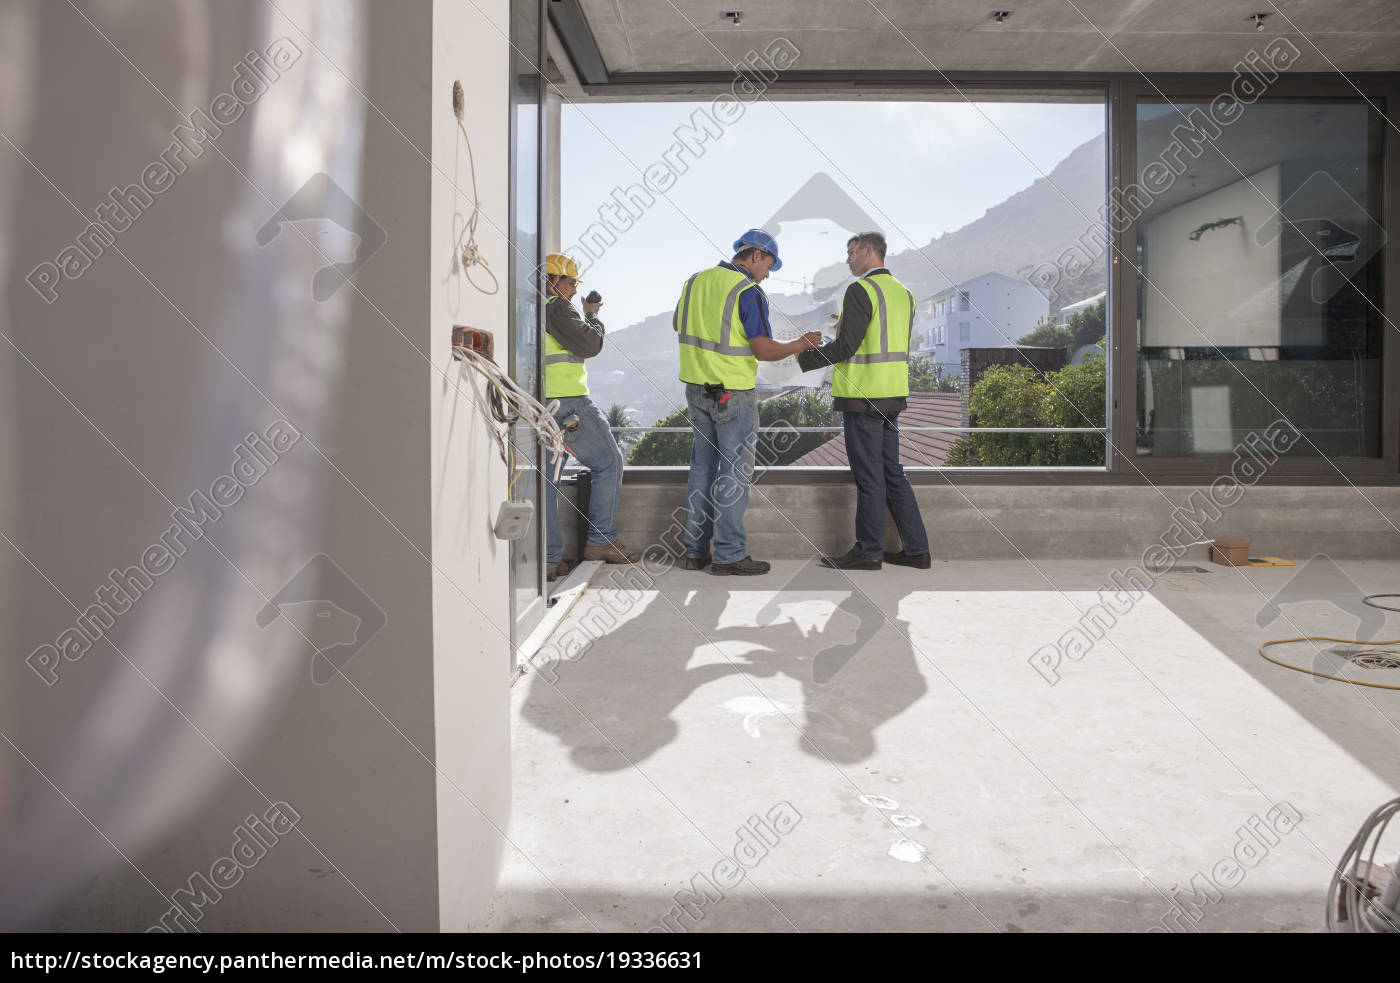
{"x":1319,"y":597}
{"x":856,"y":669}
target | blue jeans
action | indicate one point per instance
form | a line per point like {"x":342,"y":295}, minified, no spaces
{"x":721,"y":468}
{"x":872,"y":447}
{"x":592,"y":444}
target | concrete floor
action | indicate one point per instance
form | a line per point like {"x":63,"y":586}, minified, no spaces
{"x":934,"y":780}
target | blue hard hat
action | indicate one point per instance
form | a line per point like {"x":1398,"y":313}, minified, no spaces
{"x":760,"y":240}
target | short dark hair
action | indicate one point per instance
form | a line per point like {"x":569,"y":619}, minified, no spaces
{"x":872,"y":239}
{"x":748,"y":252}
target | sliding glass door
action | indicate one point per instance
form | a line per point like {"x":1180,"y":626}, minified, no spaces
{"x":527,"y":586}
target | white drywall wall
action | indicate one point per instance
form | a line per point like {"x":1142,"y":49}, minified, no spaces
{"x":471,"y":612}
{"x":134,"y":388}
{"x":1222,"y":289}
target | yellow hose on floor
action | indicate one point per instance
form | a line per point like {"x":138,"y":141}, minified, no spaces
{"x":1327,"y":638}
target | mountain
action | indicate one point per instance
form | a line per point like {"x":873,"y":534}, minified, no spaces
{"x":1030,"y":228}
{"x":637,"y":369}
{"x":1026,"y":232}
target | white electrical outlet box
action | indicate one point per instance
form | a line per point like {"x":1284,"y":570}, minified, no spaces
{"x":513,"y":520}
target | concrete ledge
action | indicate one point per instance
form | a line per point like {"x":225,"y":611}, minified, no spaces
{"x":1038,"y":521}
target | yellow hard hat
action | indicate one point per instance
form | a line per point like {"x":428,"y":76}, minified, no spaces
{"x":557,"y":264}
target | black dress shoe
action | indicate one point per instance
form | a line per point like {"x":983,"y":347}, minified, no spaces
{"x":695,"y":563}
{"x":851,"y":560}
{"x":747,"y":567}
{"x":920,"y":561}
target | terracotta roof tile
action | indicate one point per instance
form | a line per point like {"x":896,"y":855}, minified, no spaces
{"x":915,"y":449}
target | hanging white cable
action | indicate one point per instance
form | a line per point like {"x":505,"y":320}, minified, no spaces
{"x":465,"y":251}
{"x":538,"y":416}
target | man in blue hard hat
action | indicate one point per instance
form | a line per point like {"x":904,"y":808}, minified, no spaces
{"x":722,"y":321}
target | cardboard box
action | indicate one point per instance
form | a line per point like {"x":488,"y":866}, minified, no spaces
{"x":1230,"y":552}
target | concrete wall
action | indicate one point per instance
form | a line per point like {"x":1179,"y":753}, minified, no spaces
{"x":1224,"y":288}
{"x":1042,"y":521}
{"x":471,"y":611}
{"x":137,"y":769}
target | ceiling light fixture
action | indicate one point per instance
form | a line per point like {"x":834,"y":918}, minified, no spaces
{"x":1258,"y":21}
{"x":1000,"y":16}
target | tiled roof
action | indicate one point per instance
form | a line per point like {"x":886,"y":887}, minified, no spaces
{"x":915,"y":449}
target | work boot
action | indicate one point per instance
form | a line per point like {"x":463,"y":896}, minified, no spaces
{"x":558,"y":571}
{"x":851,"y":560}
{"x":614,"y":552}
{"x":747,"y":567}
{"x":695,"y":563}
{"x":919,"y":561}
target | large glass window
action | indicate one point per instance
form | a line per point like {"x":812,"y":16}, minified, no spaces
{"x":1259,"y":294}
{"x":1005,"y":225}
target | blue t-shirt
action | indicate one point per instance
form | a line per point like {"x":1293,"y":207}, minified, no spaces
{"x":753,"y":308}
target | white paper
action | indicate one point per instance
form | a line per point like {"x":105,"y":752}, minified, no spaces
{"x":786,"y":373}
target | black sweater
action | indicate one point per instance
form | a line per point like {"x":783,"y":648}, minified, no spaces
{"x":855,"y":319}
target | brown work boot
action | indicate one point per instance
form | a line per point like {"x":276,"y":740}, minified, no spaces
{"x":558,"y":571}
{"x":614,"y":552}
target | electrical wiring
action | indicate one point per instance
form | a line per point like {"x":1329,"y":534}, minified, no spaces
{"x":1314,"y":672}
{"x":517,"y":469}
{"x":1348,"y":902}
{"x":465,"y":250}
{"x":514,"y":474}
{"x":509,"y":403}
{"x":1369,"y":601}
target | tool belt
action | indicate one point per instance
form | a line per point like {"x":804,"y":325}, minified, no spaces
{"x":716,"y":392}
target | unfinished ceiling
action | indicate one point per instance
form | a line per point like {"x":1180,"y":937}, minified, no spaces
{"x":646,"y":36}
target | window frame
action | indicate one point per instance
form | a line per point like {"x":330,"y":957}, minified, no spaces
{"x":1123,"y":278}
{"x":1120,"y":92}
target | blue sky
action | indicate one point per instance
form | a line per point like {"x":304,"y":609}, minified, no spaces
{"x":918,"y":169}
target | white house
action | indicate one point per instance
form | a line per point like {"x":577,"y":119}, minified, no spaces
{"x":987,"y":311}
{"x":1068,"y":312}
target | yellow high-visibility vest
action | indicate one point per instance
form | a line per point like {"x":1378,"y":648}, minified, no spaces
{"x":880,"y":367}
{"x":564,"y":372}
{"x":713,"y":345}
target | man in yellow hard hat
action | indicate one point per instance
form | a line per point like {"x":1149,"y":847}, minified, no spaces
{"x":869,"y":388}
{"x":722,"y":323}
{"x":569,"y":339}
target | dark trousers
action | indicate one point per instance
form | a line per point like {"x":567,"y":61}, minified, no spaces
{"x":872,"y":447}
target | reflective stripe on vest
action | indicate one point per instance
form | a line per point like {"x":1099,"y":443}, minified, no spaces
{"x":564,"y":372}
{"x":713,"y":345}
{"x":880,"y":367}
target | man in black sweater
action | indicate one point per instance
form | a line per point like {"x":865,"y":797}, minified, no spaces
{"x":870,"y":388}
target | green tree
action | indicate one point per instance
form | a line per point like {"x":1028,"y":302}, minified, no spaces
{"x":806,"y":409}
{"x":783,"y":446}
{"x":1010,"y":396}
{"x":619,"y":417}
{"x":1048,"y":336}
{"x":927,"y":376}
{"x":1015,"y":396}
{"x":1077,"y":400}
{"x":1087,"y":327}
{"x":1079,"y":330}
{"x":659,"y":449}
